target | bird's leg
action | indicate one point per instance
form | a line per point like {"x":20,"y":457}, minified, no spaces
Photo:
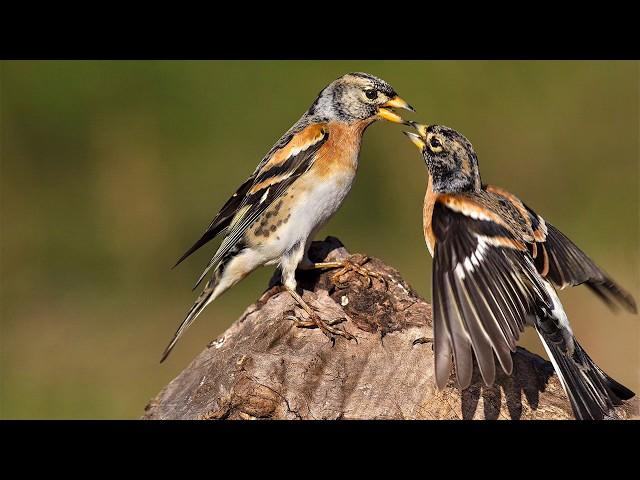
{"x":346,"y":266}
{"x":315,"y":321}
{"x":289,"y":263}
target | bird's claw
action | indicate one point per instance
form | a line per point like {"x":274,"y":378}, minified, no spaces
{"x":422,"y":340}
{"x":356,"y":266}
{"x":311,"y":324}
{"x":326,"y":327}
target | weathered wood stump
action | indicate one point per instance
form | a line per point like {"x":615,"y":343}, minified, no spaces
{"x":264,"y":366}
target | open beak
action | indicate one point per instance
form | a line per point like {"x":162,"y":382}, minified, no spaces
{"x":416,"y":139}
{"x":422,"y":129}
{"x":385,"y":111}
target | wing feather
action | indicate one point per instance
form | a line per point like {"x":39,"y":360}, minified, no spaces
{"x":486,"y":288}
{"x":462,"y":354}
{"x":495,"y":319}
{"x":441,"y":333}
{"x":570,"y":266}
{"x":468,"y":299}
{"x":222,"y":220}
{"x":269,"y":185}
{"x":561,"y":261}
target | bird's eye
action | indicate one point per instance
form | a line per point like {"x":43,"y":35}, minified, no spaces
{"x":371,"y":94}
{"x":435,"y":145}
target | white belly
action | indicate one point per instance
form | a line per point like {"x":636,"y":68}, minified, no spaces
{"x":313,"y":205}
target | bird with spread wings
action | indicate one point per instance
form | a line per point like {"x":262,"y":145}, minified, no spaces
{"x":495,"y":262}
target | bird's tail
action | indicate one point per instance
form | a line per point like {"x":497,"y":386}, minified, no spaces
{"x":208,"y":295}
{"x":593,"y":394}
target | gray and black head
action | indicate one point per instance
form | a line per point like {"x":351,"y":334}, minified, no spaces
{"x":357,"y":97}
{"x":450,"y":158}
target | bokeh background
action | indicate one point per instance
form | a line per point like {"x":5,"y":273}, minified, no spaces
{"x":110,"y":170}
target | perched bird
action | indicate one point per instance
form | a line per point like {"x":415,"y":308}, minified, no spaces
{"x":294,"y":191}
{"x":495,"y":262}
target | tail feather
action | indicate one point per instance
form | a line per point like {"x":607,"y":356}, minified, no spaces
{"x":592,"y":393}
{"x":619,"y":390}
{"x":203,"y":300}
{"x":206,"y":237}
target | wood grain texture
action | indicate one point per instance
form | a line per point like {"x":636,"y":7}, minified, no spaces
{"x":265,"y":367}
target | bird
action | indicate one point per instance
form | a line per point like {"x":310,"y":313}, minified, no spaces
{"x":295,"y":189}
{"x":496,"y":264}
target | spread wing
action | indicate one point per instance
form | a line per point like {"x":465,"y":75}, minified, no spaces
{"x":568,"y":265}
{"x":274,"y":175}
{"x":561,"y":261}
{"x":485,"y":287}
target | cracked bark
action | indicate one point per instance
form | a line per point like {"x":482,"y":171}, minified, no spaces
{"x":265,"y":367}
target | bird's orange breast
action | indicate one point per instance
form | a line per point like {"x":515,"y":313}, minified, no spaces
{"x":339,"y":154}
{"x":427,"y":213}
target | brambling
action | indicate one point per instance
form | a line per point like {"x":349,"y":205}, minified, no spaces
{"x":294,"y":191}
{"x":495,"y":262}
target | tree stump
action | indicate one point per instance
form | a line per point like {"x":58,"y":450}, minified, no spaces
{"x":264,"y":366}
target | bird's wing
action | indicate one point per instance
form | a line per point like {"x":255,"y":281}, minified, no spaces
{"x":570,"y":266}
{"x":222,"y":219}
{"x":485,"y":288}
{"x":282,"y":167}
{"x":561,"y":261}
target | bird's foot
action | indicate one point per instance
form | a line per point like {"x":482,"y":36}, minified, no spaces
{"x":312,"y":323}
{"x":326,"y":327}
{"x":347,"y":266}
{"x":315,"y":321}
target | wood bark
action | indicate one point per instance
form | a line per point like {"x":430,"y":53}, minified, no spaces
{"x":264,"y":366}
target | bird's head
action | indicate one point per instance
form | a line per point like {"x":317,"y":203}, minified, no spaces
{"x":359,"y":97}
{"x":450,"y":158}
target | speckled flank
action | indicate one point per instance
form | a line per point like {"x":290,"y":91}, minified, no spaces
{"x":271,"y":220}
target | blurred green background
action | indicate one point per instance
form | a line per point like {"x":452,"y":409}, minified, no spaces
{"x":110,"y":170}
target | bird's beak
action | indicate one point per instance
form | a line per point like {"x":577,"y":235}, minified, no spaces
{"x":385,"y":112}
{"x":422,"y":129}
{"x":397,"y":102}
{"x":416,"y":139}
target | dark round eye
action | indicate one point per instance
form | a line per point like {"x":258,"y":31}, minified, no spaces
{"x":435,"y":143}
{"x":371,"y":94}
